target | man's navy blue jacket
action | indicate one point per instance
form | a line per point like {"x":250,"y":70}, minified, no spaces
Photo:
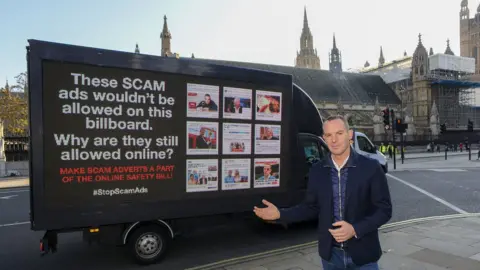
{"x":367,"y":206}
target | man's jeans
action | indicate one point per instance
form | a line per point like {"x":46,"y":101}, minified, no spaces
{"x":340,"y":260}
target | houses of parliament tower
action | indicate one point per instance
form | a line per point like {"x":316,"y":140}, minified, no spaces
{"x":470,"y":34}
{"x":307,"y":57}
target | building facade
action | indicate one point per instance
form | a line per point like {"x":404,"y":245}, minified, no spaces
{"x":358,"y":97}
{"x":470,"y":34}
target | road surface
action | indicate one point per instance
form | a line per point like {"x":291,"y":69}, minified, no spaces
{"x":415,"y":194}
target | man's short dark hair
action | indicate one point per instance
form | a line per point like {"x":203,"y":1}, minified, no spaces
{"x":337,"y":117}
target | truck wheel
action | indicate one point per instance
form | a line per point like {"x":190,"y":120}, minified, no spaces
{"x":149,"y":244}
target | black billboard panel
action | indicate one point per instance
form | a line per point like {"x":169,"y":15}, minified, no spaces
{"x":118,"y":137}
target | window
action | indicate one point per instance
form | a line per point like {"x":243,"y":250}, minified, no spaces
{"x":311,"y":149}
{"x":313,"y":152}
{"x":365,"y":145}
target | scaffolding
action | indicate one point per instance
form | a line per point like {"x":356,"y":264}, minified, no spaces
{"x":455,"y":98}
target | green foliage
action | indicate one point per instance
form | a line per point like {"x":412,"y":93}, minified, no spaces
{"x":14,"y":106}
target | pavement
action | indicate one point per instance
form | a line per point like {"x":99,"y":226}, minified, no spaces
{"x":435,"y":162}
{"x":427,"y":155}
{"x":452,"y":244}
{"x":12,"y":182}
{"x":417,"y":193}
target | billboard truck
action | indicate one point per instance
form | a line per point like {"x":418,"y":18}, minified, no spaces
{"x":134,"y":149}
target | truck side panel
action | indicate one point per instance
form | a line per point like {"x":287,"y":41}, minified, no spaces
{"x":52,"y":213}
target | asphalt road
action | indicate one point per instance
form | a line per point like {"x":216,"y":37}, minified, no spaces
{"x":434,"y":193}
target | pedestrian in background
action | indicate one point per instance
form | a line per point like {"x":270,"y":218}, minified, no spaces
{"x":349,"y":195}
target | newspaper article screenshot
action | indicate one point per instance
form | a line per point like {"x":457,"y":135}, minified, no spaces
{"x":202,"y":138}
{"x":269,"y":106}
{"x":267,"y":172}
{"x":235,"y":174}
{"x":267,"y":139}
{"x":202,"y":100}
{"x":237,"y":103}
{"x":202,"y":175}
{"x":237,"y":139}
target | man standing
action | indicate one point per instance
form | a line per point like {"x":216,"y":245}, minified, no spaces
{"x":349,"y":195}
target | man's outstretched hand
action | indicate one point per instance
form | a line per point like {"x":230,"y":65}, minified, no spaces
{"x":267,"y":213}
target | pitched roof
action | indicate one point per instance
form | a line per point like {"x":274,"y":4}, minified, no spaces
{"x":323,"y":85}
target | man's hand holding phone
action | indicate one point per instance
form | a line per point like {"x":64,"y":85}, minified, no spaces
{"x":342,"y":231}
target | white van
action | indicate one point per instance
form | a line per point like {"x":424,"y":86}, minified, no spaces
{"x":365,"y":147}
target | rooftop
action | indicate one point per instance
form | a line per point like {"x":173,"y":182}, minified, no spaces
{"x":323,"y":85}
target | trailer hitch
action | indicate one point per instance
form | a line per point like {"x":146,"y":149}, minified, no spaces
{"x":48,"y":243}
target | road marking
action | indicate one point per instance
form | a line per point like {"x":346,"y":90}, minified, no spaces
{"x":15,"y":224}
{"x":14,"y":191}
{"x":442,"y":201}
{"x":8,"y":197}
{"x":447,"y":170}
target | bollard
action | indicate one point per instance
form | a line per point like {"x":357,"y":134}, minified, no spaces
{"x":469,"y":153}
{"x":445,"y":153}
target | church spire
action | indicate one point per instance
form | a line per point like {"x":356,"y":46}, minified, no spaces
{"x":335,"y":57}
{"x":166,"y":36}
{"x":305,"y":20}
{"x":137,"y":50}
{"x":307,"y":57}
{"x":381,"y":60}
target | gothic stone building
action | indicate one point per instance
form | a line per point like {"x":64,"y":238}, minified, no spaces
{"x":421,"y":87}
{"x":355,"y":95}
{"x":470,"y":34}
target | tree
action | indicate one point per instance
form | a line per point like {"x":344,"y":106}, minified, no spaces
{"x":14,"y":106}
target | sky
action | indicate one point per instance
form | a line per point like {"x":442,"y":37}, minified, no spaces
{"x":263,"y":31}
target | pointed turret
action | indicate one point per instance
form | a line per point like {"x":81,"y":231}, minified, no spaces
{"x":376,"y":108}
{"x":307,"y":57}
{"x":193,"y":55}
{"x":431,"y":51}
{"x":449,"y":50}
{"x":137,"y":50}
{"x":367,"y":64}
{"x":340,"y":107}
{"x":335,"y":58}
{"x":166,"y":36}
{"x":305,"y":20}
{"x":420,"y":64}
{"x":381,"y":60}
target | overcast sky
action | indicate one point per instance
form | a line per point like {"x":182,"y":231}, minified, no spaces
{"x":264,"y":31}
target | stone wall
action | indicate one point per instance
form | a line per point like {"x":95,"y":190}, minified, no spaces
{"x":19,"y":168}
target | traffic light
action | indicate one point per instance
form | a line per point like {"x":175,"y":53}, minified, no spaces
{"x":443,"y":128}
{"x":400,"y":126}
{"x":470,"y":126}
{"x":386,"y":118}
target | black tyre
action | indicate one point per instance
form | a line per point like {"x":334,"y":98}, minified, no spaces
{"x":149,"y":244}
